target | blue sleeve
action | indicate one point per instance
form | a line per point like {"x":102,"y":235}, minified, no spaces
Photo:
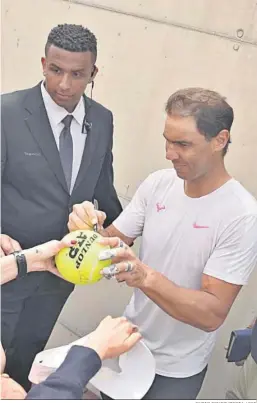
{"x":70,"y":379}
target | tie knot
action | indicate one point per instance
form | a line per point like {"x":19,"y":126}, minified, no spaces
{"x":67,"y":121}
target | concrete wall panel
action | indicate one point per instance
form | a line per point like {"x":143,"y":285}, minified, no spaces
{"x":147,"y":50}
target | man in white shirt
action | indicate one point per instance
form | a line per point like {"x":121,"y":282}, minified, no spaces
{"x":56,"y":151}
{"x":199,"y":243}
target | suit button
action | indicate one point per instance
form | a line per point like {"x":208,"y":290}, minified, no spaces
{"x":70,"y":209}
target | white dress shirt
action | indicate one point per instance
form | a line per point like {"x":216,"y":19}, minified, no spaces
{"x":55,"y":115}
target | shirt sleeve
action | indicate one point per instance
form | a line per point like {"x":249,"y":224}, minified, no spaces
{"x":70,"y":379}
{"x":235,"y":255}
{"x":131,"y":221}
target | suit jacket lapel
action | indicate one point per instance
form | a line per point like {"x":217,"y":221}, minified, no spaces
{"x":39,"y":126}
{"x":90,"y":145}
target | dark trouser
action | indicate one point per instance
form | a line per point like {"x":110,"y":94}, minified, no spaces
{"x":30,"y":308}
{"x":165,"y":388}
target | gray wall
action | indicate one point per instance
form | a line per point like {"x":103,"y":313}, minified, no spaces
{"x":147,"y":50}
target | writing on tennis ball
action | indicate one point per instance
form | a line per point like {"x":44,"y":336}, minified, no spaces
{"x":80,"y":264}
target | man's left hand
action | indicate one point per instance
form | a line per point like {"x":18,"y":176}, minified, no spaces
{"x":125,"y":265}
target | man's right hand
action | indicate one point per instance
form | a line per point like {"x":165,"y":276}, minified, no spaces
{"x":84,"y":216}
{"x":112,"y":337}
{"x":8,"y":245}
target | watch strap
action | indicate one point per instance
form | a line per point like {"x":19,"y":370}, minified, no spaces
{"x":21,"y":263}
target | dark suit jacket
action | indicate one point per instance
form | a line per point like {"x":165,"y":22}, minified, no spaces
{"x":35,"y":199}
{"x":70,"y":379}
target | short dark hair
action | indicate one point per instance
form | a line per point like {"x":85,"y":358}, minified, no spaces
{"x":72,"y":37}
{"x":211,"y":111}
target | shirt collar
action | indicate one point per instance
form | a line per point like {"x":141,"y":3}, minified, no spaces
{"x":57,"y":113}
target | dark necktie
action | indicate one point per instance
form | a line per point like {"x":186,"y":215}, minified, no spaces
{"x":66,"y":149}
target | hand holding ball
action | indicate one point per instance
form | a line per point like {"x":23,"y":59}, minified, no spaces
{"x":79,"y":264}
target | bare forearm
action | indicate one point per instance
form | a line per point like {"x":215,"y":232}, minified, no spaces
{"x":194,"y":307}
{"x":9,"y":270}
{"x":112,"y":231}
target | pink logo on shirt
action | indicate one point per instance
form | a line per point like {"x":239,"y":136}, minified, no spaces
{"x":199,"y":226}
{"x":160,"y":207}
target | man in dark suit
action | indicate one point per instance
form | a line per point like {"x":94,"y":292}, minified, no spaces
{"x":56,"y":152}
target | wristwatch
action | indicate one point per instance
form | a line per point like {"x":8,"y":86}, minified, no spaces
{"x":21,"y":263}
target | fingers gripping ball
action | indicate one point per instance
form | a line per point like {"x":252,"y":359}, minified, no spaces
{"x":79,"y":264}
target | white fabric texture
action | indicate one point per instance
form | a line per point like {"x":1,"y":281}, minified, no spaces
{"x":183,"y":238}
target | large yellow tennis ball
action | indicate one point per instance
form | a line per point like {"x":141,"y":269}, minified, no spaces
{"x":79,"y":264}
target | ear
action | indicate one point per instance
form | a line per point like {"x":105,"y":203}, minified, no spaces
{"x":43,"y":62}
{"x":93,"y":74}
{"x":221,"y":140}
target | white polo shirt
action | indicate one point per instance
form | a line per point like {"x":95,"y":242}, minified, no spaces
{"x":183,"y":238}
